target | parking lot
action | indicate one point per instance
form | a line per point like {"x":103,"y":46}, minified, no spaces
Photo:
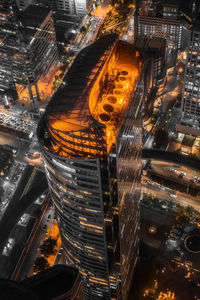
{"x":19,"y":122}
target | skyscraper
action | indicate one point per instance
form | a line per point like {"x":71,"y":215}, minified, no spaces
{"x":27,"y":47}
{"x":23,"y":4}
{"x":164,"y":20}
{"x":9,"y":44}
{"x":76,"y":7}
{"x":191,"y":89}
{"x":90,"y":139}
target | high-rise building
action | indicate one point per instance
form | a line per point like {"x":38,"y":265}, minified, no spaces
{"x":23,"y":4}
{"x":164,"y":20}
{"x":71,"y":7}
{"x":28,"y":47}
{"x":9,"y":43}
{"x":191,"y":89}
{"x":90,"y":139}
{"x":156,"y":48}
{"x":179,"y":23}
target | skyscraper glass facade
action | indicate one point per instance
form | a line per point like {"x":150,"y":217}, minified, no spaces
{"x":90,"y":138}
{"x":191,"y":92}
{"x":27,"y":46}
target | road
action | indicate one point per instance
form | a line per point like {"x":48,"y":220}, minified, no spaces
{"x":23,"y":147}
{"x":172,"y":176}
{"x":128,"y":32}
{"x":20,"y":187}
{"x":173,"y":157}
{"x":9,"y":139}
{"x":167,"y":97}
{"x":27,"y":261}
{"x":19,"y":204}
{"x":92,"y":32}
{"x":182,"y":199}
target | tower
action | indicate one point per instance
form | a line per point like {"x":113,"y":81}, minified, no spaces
{"x":191,"y":90}
{"x":76,"y":7}
{"x":90,"y":140}
{"x":10,"y":44}
{"x":27,"y":48}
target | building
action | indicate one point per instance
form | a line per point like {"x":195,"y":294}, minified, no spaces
{"x":23,"y":4}
{"x":27,"y":50}
{"x":59,"y":282}
{"x":191,"y":89}
{"x":163,"y":20}
{"x":67,"y":27}
{"x":40,"y":41}
{"x":179,"y":23}
{"x":76,"y":7}
{"x":90,"y":138}
{"x":156,"y":47}
{"x":9,"y":37}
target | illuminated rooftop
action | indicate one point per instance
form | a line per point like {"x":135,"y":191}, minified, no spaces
{"x":97,"y":91}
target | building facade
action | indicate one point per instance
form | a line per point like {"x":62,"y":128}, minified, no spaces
{"x":28,"y":47}
{"x":10,"y":44}
{"x":23,"y":4}
{"x":163,"y":20}
{"x":156,"y":48}
{"x":71,"y":7}
{"x":191,"y":89}
{"x":90,"y":138}
{"x":179,"y":23}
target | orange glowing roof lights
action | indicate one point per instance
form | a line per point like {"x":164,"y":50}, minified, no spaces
{"x":104,"y":98}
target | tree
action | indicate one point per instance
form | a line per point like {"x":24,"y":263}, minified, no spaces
{"x":83,"y":29}
{"x":40,"y":264}
{"x":190,"y":211}
{"x":48,"y":247}
{"x":161,"y":137}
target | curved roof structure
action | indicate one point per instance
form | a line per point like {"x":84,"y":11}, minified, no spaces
{"x":83,"y":117}
{"x":71,"y":103}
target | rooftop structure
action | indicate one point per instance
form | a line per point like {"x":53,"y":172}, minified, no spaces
{"x":90,"y":139}
{"x":67,"y":27}
{"x":79,"y":105}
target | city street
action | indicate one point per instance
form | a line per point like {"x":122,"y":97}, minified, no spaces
{"x":39,"y":235}
{"x":174,"y":175}
{"x":21,"y":200}
{"x":7,"y":138}
{"x":181,"y":198}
